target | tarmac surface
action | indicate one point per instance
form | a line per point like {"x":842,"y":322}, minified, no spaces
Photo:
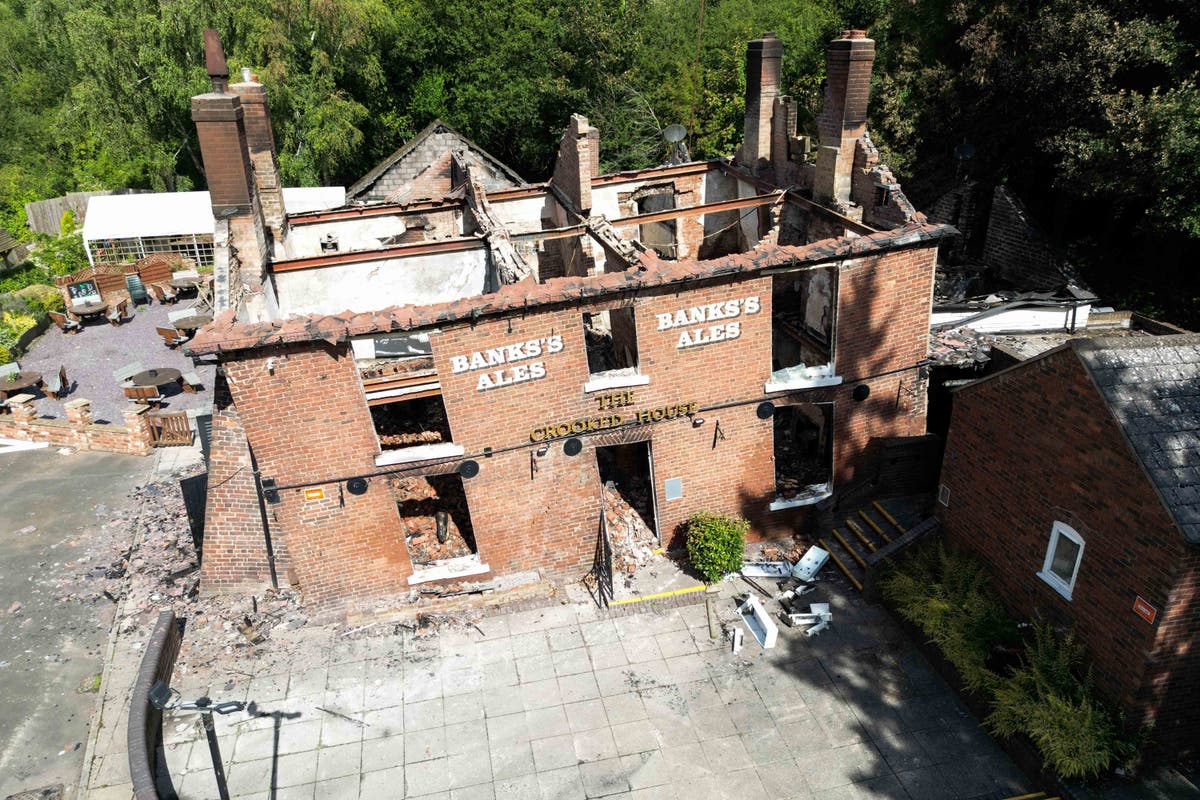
{"x":50,"y":649}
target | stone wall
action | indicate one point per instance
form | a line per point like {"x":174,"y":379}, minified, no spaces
{"x":78,"y":430}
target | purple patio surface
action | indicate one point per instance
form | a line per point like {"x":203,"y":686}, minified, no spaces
{"x":92,"y":355}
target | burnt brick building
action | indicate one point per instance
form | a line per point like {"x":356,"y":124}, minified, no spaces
{"x":1075,"y":477}
{"x":437,"y":390}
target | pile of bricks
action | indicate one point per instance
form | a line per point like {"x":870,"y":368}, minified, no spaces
{"x":419,"y":501}
{"x":633,"y":542}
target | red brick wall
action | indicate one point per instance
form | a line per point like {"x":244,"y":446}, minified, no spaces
{"x":222,"y":137}
{"x":1015,"y":248}
{"x":309,"y":421}
{"x":1172,"y":683}
{"x":1037,"y":445}
{"x":235,"y":553}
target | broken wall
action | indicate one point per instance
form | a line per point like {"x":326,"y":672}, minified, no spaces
{"x":369,"y":285}
{"x":1016,"y":249}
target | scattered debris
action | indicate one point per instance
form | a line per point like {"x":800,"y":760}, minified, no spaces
{"x":766,"y":569}
{"x":738,"y":636}
{"x":807,"y":567}
{"x":15,"y":608}
{"x":818,"y":615}
{"x":763,"y":628}
{"x":340,"y":715}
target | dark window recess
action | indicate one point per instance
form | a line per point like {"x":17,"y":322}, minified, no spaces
{"x":802,"y":318}
{"x":803,"y":447}
{"x":434,"y":518}
{"x":611,"y":338}
{"x":409,"y":423}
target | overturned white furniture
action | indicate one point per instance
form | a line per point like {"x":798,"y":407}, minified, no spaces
{"x":761,"y":626}
{"x":819,"y":616}
{"x":766,"y":569}
{"x":810,"y":564}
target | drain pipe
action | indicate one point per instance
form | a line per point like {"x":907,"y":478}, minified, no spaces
{"x":262,"y":510}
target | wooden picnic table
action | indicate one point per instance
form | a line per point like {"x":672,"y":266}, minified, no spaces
{"x":19,"y":381}
{"x":91,"y":309}
{"x":156,"y":377}
{"x":185,"y":283}
{"x":192,"y":323}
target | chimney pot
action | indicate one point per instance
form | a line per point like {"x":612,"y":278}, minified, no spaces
{"x":214,"y":60}
{"x":854,"y":34}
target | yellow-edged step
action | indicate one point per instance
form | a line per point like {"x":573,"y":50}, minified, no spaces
{"x":840,"y":565}
{"x":853,"y":553}
{"x":866,"y":542}
{"x":879,"y":507}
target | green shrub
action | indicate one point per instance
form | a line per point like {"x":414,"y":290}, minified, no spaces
{"x":42,"y":298}
{"x":946,"y":594}
{"x":25,"y":275}
{"x":715,"y":544}
{"x":1045,"y":699}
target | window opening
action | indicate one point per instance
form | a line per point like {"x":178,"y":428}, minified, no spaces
{"x":1063,"y":556}
{"x":803,"y":451}
{"x":611,"y":339}
{"x":411,"y":422}
{"x":802,"y":323}
{"x":658,"y":236}
{"x":434,"y":518}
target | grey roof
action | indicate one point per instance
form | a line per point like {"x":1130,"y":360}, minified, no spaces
{"x":1152,"y":385}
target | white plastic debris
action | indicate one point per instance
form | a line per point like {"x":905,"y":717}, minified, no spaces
{"x":767,"y":569}
{"x":819,"y":616}
{"x":761,"y":626}
{"x":738,"y":637}
{"x":810,"y":564}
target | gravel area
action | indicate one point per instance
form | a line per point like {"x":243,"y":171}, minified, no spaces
{"x":91,"y":355}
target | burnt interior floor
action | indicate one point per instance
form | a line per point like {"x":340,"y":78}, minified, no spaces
{"x":409,"y":423}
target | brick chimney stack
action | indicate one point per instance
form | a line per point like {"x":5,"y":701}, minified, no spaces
{"x":261,"y":140}
{"x":762,"y":87}
{"x":843,"y":118}
{"x":240,"y":244}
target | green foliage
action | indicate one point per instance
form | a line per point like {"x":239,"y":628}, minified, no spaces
{"x":715,"y":544}
{"x":1078,"y":736}
{"x":40,"y":298}
{"x":946,"y":594}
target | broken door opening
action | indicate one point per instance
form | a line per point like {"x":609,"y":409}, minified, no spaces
{"x":802,"y":325}
{"x":627,"y":481}
{"x":434,"y":519}
{"x":803,"y":451}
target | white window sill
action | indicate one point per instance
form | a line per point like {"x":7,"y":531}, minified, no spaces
{"x":1055,"y":583}
{"x":420,"y":387}
{"x":420,"y":452}
{"x":801,"y":383}
{"x":601,"y":382}
{"x":463,"y":567}
{"x":813,"y":495}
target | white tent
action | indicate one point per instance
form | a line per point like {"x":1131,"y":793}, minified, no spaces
{"x":127,"y":227}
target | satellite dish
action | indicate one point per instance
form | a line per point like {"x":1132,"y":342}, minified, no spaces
{"x":675,"y":133}
{"x":356,"y":486}
{"x":572,"y":446}
{"x":468,"y":469}
{"x":765,"y":410}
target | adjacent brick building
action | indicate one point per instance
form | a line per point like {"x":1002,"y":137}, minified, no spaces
{"x":1075,"y":477}
{"x":435,"y":390}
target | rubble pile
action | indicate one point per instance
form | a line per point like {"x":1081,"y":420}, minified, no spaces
{"x":145,"y":557}
{"x":961,"y":347}
{"x":633,"y":543}
{"x":420,"y":502}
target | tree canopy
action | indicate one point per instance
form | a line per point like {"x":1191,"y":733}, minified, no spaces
{"x":1086,"y":108}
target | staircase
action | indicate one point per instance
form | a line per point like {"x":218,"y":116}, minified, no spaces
{"x":860,"y":533}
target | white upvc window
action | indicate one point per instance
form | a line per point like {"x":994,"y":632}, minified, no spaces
{"x":1063,"y":557}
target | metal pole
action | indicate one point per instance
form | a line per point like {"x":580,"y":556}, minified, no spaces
{"x":262,"y":511}
{"x":214,"y":750}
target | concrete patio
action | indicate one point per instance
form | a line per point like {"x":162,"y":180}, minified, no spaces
{"x":567,"y":702}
